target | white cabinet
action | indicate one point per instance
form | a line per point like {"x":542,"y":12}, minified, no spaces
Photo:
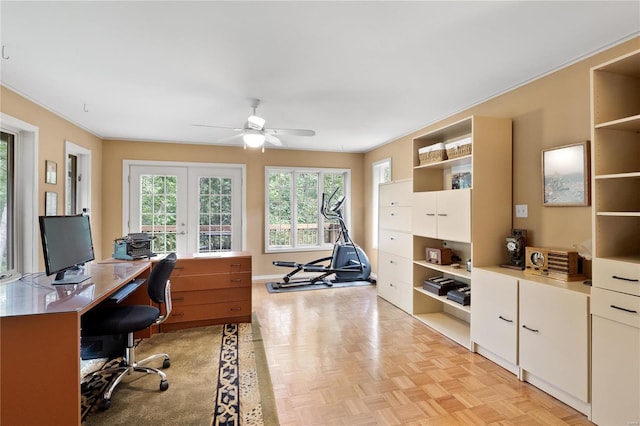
{"x":615,"y":147}
{"x":445,"y":215}
{"x":554,"y":341}
{"x":395,"y":244}
{"x":494,"y":317}
{"x":471,"y":219}
{"x":616,"y":359}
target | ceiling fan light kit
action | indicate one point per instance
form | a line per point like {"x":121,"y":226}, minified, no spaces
{"x":254,"y":133}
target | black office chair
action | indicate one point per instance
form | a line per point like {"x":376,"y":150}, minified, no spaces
{"x":111,"y":320}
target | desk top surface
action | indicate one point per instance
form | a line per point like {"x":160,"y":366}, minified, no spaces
{"x":34,"y":294}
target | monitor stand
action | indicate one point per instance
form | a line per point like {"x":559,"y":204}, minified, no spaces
{"x":62,"y":279}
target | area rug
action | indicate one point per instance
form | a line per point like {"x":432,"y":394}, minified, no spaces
{"x":272,"y":287}
{"x":218,"y":376}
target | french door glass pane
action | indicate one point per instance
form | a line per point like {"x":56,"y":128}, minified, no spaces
{"x":307,"y":209}
{"x":216,"y":228}
{"x":158,"y":203}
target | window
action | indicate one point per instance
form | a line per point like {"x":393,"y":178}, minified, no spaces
{"x":381,"y":174}
{"x":7,"y":203}
{"x":293,"y":200}
{"x":19,"y":192}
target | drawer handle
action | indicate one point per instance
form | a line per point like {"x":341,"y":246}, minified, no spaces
{"x":236,"y":280}
{"x":442,"y":214}
{"x":235,"y":264}
{"x":177,"y":299}
{"x":392,"y":262}
{"x":393,"y":203}
{"x":237,"y":308}
{"x":392,"y":238}
{"x":631,"y":311}
{"x":178,"y":314}
{"x":430,"y":214}
{"x":531,"y":329}
{"x":633,"y":280}
{"x":393,"y":214}
{"x":505,"y":319}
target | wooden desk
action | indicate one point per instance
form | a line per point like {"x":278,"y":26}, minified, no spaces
{"x":40,"y":342}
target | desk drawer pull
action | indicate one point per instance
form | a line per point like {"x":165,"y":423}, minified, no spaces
{"x":531,"y":329}
{"x":631,"y":311}
{"x":505,"y":319}
{"x":236,"y":280}
{"x":177,"y":299}
{"x":178,"y":314}
{"x":237,"y":308}
{"x":633,"y":280}
{"x":236,"y":264}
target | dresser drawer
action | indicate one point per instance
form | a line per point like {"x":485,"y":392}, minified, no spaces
{"x":206,"y":282}
{"x":617,"y":276}
{"x":398,"y":243}
{"x":396,"y":218}
{"x":214,"y":265}
{"x":615,"y":306}
{"x":396,"y":292}
{"x":209,"y":311}
{"x":396,"y":194}
{"x":187,"y":298}
{"x":394,"y":267}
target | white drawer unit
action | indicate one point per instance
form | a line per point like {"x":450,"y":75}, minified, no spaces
{"x":623,"y":277}
{"x":395,"y":244}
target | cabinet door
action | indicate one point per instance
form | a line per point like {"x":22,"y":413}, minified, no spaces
{"x":494,"y":313}
{"x":454,"y":215}
{"x":554,"y":336}
{"x":616,"y":373}
{"x":424,"y":220}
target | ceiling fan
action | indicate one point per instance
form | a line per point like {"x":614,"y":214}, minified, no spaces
{"x":255,"y":134}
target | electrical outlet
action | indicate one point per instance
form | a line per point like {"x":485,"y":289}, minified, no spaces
{"x":521,"y":210}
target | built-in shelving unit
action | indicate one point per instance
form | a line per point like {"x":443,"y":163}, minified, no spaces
{"x":615,"y":297}
{"x":444,"y":217}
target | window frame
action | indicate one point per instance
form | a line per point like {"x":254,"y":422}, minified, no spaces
{"x":321,"y":220}
{"x":26,"y":192}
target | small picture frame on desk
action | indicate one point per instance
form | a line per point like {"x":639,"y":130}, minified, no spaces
{"x":50,"y":203}
{"x":51,"y":172}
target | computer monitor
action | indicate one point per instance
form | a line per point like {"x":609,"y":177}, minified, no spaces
{"x":66,"y":244}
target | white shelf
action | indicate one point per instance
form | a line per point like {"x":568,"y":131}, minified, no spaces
{"x":627,"y":123}
{"x":444,"y":300}
{"x":466,"y":159}
{"x":446,"y":269}
{"x":630,"y":175}
{"x":448,"y":325}
{"x":619,"y":214}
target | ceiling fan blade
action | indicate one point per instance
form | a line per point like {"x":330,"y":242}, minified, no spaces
{"x":235,"y":129}
{"x":272,"y":139}
{"x":293,"y":132}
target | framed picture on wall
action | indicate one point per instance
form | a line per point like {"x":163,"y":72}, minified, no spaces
{"x":565,"y":175}
{"x":50,"y":172}
{"x":50,"y":203}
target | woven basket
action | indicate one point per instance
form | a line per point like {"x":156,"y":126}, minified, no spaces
{"x":432,"y":156}
{"x":458,"y":151}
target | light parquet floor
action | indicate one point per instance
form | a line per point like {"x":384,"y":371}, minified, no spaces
{"x":346,"y":357}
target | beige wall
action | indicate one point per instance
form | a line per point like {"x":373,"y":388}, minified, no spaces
{"x":551,"y":111}
{"x":114,"y":152}
{"x":53,"y":132}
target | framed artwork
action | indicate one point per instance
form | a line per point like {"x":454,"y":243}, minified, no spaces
{"x":565,"y":175}
{"x":50,"y":203}
{"x":51,"y":172}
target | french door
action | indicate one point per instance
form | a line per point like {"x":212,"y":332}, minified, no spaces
{"x":187,"y":208}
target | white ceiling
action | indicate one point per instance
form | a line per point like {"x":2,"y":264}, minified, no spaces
{"x":359,"y":73}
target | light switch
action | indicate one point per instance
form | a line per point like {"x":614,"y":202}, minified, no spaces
{"x":521,"y":210}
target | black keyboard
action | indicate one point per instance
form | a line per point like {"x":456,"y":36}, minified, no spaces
{"x":124,"y":291}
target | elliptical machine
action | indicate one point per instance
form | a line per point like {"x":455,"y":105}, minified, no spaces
{"x":348,"y":262}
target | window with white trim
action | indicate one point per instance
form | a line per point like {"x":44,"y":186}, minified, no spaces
{"x":381,"y":173}
{"x":293,"y":200}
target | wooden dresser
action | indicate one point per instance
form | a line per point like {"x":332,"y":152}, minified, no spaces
{"x":210,"y":289}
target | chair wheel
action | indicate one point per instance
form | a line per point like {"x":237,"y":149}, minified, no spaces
{"x":166,"y":363}
{"x":164,"y":385}
{"x":104,"y":404}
